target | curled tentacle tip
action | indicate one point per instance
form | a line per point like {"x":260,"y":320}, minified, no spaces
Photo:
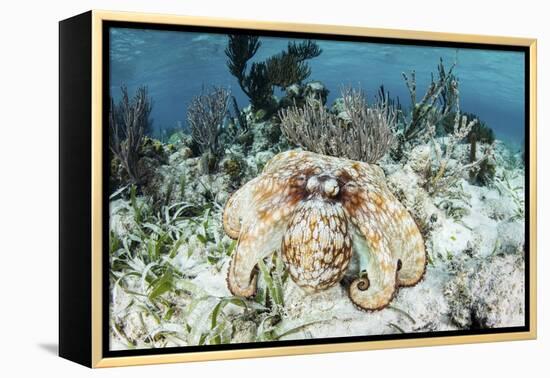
{"x":363,"y":284}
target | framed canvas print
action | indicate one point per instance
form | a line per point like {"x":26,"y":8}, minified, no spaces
{"x":235,"y":189}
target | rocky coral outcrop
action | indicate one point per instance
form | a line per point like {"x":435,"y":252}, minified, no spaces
{"x":488,"y":293}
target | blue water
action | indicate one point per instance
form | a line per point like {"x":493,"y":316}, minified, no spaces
{"x":176,"y":65}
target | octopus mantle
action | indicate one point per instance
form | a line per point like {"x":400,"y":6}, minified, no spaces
{"x":319,"y":211}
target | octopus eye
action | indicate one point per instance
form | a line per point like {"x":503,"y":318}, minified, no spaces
{"x":299,"y":180}
{"x":351,"y":187}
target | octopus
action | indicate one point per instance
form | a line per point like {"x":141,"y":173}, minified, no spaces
{"x":319,"y":212}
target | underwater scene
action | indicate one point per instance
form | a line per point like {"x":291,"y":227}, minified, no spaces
{"x":264,"y":188}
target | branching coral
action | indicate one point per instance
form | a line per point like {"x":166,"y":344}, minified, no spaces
{"x":289,"y":67}
{"x":439,"y":174}
{"x":304,"y":50}
{"x":438,"y":103}
{"x":286,"y":69}
{"x":258,"y":89}
{"x":128,"y":122}
{"x":238,"y":130}
{"x":240,"y":49}
{"x":480,"y":132}
{"x":366,"y":135}
{"x":312,"y":127}
{"x":205,"y":117}
{"x":214,"y":128}
{"x":437,"y":119}
{"x":281,"y":70}
{"x":372,"y":127}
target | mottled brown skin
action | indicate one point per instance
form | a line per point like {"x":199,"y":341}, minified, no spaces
{"x":317,"y":245}
{"x":320,"y":210}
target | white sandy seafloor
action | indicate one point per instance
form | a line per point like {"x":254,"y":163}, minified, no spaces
{"x":474,"y":279}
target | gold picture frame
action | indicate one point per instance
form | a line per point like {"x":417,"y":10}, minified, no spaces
{"x":76,"y":271}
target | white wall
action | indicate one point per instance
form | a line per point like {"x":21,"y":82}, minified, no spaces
{"x":28,"y":185}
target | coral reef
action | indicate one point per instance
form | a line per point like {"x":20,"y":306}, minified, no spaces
{"x":439,"y":102}
{"x":439,"y":173}
{"x":169,"y":266}
{"x":128,"y":122}
{"x":280,"y":70}
{"x":438,"y":121}
{"x":362,"y":133}
{"x":488,"y":293}
{"x":240,"y":49}
{"x":298,"y":94}
{"x":206,"y":116}
{"x":289,"y":67}
{"x":458,"y":189}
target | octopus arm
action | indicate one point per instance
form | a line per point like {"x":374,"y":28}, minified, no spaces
{"x":379,"y":206}
{"x":262,"y":213}
{"x":406,"y":242}
{"x":376,"y":286}
{"x":258,"y":239}
{"x":235,"y":208}
{"x":409,"y":248}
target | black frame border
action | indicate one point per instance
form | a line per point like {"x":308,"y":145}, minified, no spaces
{"x":75,"y":201}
